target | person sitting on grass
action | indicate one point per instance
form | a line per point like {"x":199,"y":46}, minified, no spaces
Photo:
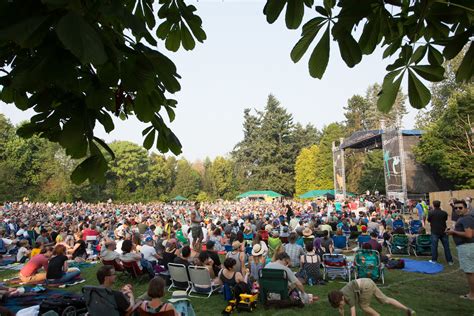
{"x":154,"y":303}
{"x":124,"y":300}
{"x":58,"y":271}
{"x":360,"y":292}
{"x":36,"y":250}
{"x":29,"y":273}
{"x":23,"y":253}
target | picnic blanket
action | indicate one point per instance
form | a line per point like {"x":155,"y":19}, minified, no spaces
{"x":422,"y":266}
{"x":81,"y":265}
{"x":13,"y":266}
{"x":30,"y":298}
{"x":17,"y":280}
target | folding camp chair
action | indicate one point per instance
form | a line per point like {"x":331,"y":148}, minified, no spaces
{"x":368,"y":265}
{"x":362,"y":239}
{"x":336,"y":265}
{"x":201,"y":282}
{"x":400,"y":245}
{"x":340,"y":242}
{"x":422,"y":245}
{"x":272,"y":281}
{"x":134,"y":270}
{"x":415,"y":226}
{"x":178,"y":276}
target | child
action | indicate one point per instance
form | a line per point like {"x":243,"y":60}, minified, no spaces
{"x":37,"y":249}
{"x":23,"y":252}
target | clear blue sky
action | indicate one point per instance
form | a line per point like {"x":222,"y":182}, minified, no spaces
{"x":242,"y":61}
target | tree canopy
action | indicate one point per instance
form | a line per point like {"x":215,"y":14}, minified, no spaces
{"x":79,"y":63}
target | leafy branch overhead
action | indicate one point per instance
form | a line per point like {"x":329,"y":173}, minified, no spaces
{"x":424,"y":33}
{"x":78,"y":63}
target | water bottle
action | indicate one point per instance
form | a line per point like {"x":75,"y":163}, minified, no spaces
{"x":310,"y":281}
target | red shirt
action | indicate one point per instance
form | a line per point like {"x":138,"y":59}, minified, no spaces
{"x":34,"y":265}
{"x":89,"y":232}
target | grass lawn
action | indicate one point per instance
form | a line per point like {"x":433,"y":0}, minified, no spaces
{"x":426,"y":294}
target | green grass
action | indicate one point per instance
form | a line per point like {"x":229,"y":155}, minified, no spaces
{"x":426,"y":294}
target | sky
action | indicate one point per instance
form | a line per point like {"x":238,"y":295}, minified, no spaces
{"x":243,"y":60}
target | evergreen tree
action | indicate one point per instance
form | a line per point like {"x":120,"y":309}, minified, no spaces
{"x":447,"y":146}
{"x":188,"y":180}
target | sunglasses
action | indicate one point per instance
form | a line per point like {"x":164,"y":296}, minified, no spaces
{"x":459,"y":207}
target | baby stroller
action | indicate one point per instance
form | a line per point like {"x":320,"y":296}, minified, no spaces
{"x":368,"y":265}
{"x":422,"y":245}
{"x":400,"y":245}
{"x":336,"y":266}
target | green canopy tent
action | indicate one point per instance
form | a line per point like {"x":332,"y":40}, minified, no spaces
{"x":259,"y":194}
{"x":321,"y":193}
{"x":179,"y":198}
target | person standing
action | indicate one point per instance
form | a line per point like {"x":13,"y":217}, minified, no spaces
{"x":437,"y":219}
{"x":463,"y":235}
{"x":196,"y":219}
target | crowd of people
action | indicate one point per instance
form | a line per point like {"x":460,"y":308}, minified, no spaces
{"x":281,"y":234}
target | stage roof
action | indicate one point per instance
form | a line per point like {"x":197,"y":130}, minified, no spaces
{"x":372,"y":138}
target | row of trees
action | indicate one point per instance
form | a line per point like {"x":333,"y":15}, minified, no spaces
{"x":275,"y":154}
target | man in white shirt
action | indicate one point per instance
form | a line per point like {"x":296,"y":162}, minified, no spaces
{"x":149,"y":252}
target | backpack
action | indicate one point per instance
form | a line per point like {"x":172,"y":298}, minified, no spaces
{"x":395,"y":264}
{"x":184,"y":308}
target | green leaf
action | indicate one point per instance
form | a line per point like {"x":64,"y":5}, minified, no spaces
{"x":418,"y":94}
{"x":149,"y":139}
{"x":456,"y":43}
{"x":465,"y":71}
{"x":186,"y":38}
{"x":147,"y":130}
{"x":302,"y":46}
{"x":309,"y":3}
{"x":419,"y":54}
{"x":388,"y":94}
{"x":92,"y":168}
{"x":149,"y":15}
{"x":163,"y":29}
{"x":72,"y":137}
{"x":370,"y":36}
{"x":81,"y":39}
{"x":143,"y":108}
{"x":434,"y":56}
{"x":273,"y":9}
{"x":173,"y":41}
{"x":195,"y":25}
{"x":392,"y":48}
{"x":105,"y":146}
{"x":322,"y":11}
{"x":396,"y":64}
{"x":329,"y":4}
{"x":429,"y":72}
{"x":294,"y":13}
{"x":171,"y":113}
{"x":106,"y":121}
{"x":349,"y":49}
{"x":320,"y":57}
{"x":25,"y":33}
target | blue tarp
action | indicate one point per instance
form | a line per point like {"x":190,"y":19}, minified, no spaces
{"x":422,"y":266}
